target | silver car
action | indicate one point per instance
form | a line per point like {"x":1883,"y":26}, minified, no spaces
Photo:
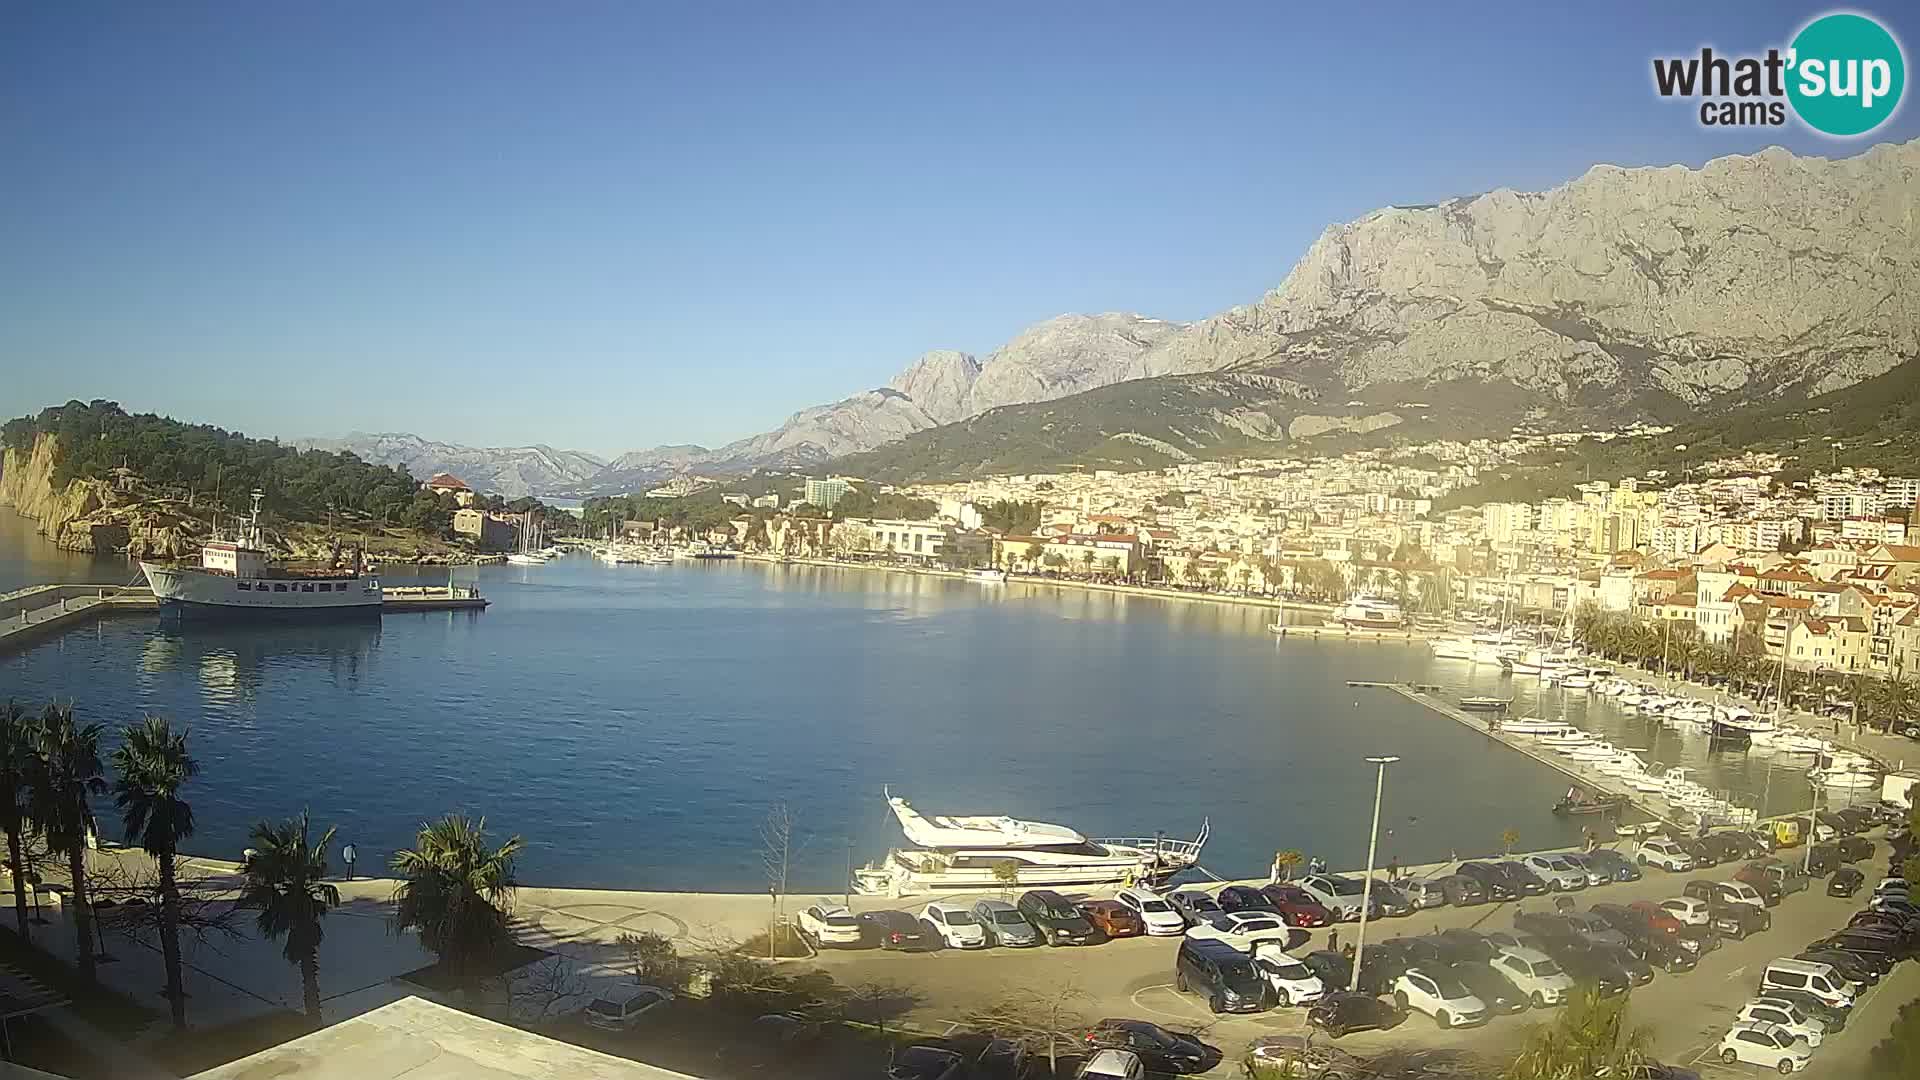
{"x":1004,"y":924}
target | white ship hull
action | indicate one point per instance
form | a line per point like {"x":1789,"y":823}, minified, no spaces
{"x":187,"y":590}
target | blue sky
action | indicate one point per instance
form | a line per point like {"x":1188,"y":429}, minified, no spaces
{"x":612,"y":225}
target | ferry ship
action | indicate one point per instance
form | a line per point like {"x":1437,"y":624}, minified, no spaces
{"x":235,"y":579}
{"x":957,"y":853}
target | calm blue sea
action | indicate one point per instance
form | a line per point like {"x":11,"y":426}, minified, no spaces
{"x":635,"y":723}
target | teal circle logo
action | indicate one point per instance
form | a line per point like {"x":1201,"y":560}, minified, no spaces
{"x":1847,"y":74}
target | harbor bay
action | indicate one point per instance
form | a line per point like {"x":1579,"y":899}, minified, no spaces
{"x":637,"y":722}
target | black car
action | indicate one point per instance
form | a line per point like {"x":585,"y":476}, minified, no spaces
{"x":1246,"y":898}
{"x":1834,"y":1016}
{"x":1516,"y":939}
{"x":926,"y":1063}
{"x":1854,"y":848}
{"x":1392,"y":901}
{"x":1543,"y":924}
{"x":1822,"y":859}
{"x":1858,"y":818}
{"x":1221,"y":974}
{"x":1521,"y":880}
{"x":1057,"y":919}
{"x":1494,"y":882}
{"x":1892,"y":943}
{"x":1159,"y":1050}
{"x":1840,"y":825}
{"x":896,"y":930}
{"x":1729,"y":846}
{"x":1459,"y":946}
{"x":1591,"y":963}
{"x":1886,"y":922}
{"x":1851,"y":967}
{"x":1405,"y":952}
{"x":1491,"y":987}
{"x":1336,"y":971}
{"x":1872,"y":957}
{"x":1338,"y":1014}
{"x":1589,"y":968}
{"x":1462,"y":890}
{"x":1613,"y":864}
{"x":1003,"y":1059}
{"x":1704,"y":855}
{"x":1194,"y":906}
{"x":1737,"y":921}
{"x":1845,"y":882}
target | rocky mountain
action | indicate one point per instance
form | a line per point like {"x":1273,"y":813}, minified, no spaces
{"x":941,"y":383}
{"x":1626,"y":293}
{"x":511,"y":471}
{"x":1065,"y":355}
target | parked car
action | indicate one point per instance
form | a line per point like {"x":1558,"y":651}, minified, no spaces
{"x":1462,"y":890}
{"x":1433,"y":992}
{"x":1112,"y":1065}
{"x":1113,"y":919}
{"x":1159,"y":1049}
{"x":1687,"y":910}
{"x":1855,"y":971}
{"x":1153,"y":910}
{"x":1056,"y":919}
{"x":1460,"y":945}
{"x":953,"y":925}
{"x":1491,"y":881}
{"x":1219,"y":973}
{"x":1818,"y":978}
{"x":1786,"y":1015}
{"x":1854,"y":848}
{"x":1737,"y":921}
{"x":1535,"y":974}
{"x":896,"y":930}
{"x":1338,"y":894}
{"x":1892,"y":885}
{"x":1592,"y":967}
{"x":1788,"y":878}
{"x":1194,"y":905}
{"x":1243,"y":898}
{"x":1613,"y":864}
{"x":830,"y":924}
{"x":1425,"y":893}
{"x":624,"y":1009}
{"x":1733,"y":846}
{"x":1494,"y":991}
{"x":1391,"y":902}
{"x":1242,"y":929}
{"x":1343,"y":1013}
{"x":1822,"y":859}
{"x":1336,"y":971}
{"x":1004,"y":925}
{"x":1662,"y":852}
{"x":923,"y":1062}
{"x":1289,"y":981}
{"x":1732,"y":892}
{"x":1834,"y":1016}
{"x":1703,"y":855}
{"x":1845,"y":882}
{"x":1765,"y":1045}
{"x":1522,"y":881}
{"x":1001,"y":1059}
{"x":1296,"y":906}
{"x":1300,"y":1055}
{"x":1559,"y":874}
{"x":1595,"y":875}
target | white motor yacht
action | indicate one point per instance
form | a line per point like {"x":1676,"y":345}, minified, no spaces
{"x":1451,"y":647}
{"x":1577,"y":681}
{"x":1538,"y":726}
{"x":955,"y":853}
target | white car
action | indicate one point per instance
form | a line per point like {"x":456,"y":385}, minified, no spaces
{"x":1440,"y":996}
{"x":1241,"y":929}
{"x":1893,"y":886}
{"x":954,"y":925}
{"x":1113,"y":1065}
{"x":1534,"y":974}
{"x":1559,"y":874}
{"x":1690,"y":910}
{"x":830,"y":924}
{"x":1292,"y":982}
{"x":623,"y":1008}
{"x":1784,"y":1014}
{"x":1663,"y":853}
{"x":1158,"y":915}
{"x":1766,"y":1045}
{"x":1340,"y":895}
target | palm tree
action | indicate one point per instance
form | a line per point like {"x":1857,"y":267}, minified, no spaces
{"x":1590,"y":1037}
{"x":456,"y":892}
{"x":66,"y":771}
{"x":16,"y":763}
{"x":153,"y":765}
{"x":286,"y":885}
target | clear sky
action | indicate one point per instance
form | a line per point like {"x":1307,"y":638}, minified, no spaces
{"x":611,"y":225}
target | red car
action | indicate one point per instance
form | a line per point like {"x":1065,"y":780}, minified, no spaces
{"x":1296,"y":906}
{"x":1113,"y":918}
{"x":1656,"y":916}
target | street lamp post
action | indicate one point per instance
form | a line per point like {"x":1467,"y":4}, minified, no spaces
{"x":1366,"y":889}
{"x":1806,"y":866}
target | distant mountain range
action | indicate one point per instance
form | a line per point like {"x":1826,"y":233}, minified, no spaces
{"x":1653,"y":293}
{"x":512,"y":471}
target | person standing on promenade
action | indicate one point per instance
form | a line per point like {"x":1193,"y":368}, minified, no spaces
{"x":1393,"y":869}
{"x":1333,"y":939}
{"x":348,"y":855}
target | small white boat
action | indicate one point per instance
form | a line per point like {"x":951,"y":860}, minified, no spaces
{"x":1577,"y":682}
{"x":1451,"y":648}
{"x":1538,"y":726}
{"x":988,"y":576}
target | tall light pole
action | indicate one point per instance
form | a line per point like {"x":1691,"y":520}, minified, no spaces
{"x":1366,"y":889}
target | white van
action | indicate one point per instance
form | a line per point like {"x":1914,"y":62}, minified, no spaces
{"x":1811,"y":976}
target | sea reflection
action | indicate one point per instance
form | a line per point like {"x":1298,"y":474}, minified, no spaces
{"x":234,"y":663}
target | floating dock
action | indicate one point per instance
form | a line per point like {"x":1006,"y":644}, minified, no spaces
{"x":36,"y":612}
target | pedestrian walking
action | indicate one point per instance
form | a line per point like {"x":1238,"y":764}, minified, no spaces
{"x":1393,"y":869}
{"x":348,"y":855}
{"x":1333,"y":939}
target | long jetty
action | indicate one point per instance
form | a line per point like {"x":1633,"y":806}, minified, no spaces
{"x":32,"y":614}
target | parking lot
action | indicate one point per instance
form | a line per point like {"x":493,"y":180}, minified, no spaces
{"x":1133,"y":978}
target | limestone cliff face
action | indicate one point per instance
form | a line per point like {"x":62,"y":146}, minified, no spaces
{"x":26,"y":487}
{"x":1751,"y":277}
